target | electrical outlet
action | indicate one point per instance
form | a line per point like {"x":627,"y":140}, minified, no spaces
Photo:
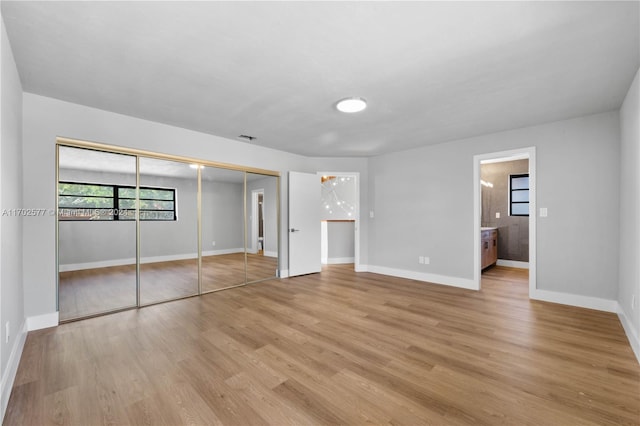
{"x":213,"y":243}
{"x":421,"y":260}
{"x":371,"y":214}
{"x":497,"y":215}
{"x":633,"y":302}
{"x":427,"y":260}
{"x":6,"y":330}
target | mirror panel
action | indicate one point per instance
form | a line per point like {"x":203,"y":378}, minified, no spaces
{"x":262,"y":227}
{"x":168,"y":229}
{"x":223,"y":258}
{"x":96,"y":247}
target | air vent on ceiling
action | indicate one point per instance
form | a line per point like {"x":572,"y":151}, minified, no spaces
{"x":247,"y":138}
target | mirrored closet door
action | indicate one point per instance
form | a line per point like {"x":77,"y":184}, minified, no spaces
{"x":168,"y":230}
{"x":223,"y":256}
{"x":96,"y":243}
{"x":262,"y":226}
{"x":137,"y":228}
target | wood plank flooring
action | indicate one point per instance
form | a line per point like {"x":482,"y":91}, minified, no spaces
{"x":335,"y":348}
{"x":94,"y":291}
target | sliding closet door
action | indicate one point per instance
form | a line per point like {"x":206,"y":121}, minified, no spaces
{"x":96,"y":245}
{"x":168,"y":230}
{"x":262,"y":227}
{"x":223,"y":257}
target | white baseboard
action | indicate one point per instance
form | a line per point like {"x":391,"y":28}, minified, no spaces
{"x":10,"y":371}
{"x":150,"y":259}
{"x":284,"y":273}
{"x":95,"y":265}
{"x":631,"y":332}
{"x":218,"y":252}
{"x":42,"y":321}
{"x":361,"y":268}
{"x":423,"y":276}
{"x":513,"y":263}
{"x":339,"y":260}
{"x":270,"y":253}
{"x":588,"y":302}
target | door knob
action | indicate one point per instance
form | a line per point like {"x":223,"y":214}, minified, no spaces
{"x":295,"y":230}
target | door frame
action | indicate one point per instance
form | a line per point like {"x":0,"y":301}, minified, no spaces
{"x":521,"y":153}
{"x":356,"y":176}
{"x":253,"y":248}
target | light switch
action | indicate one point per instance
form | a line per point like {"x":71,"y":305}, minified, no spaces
{"x":371,"y":214}
{"x":497,"y":215}
{"x":543,"y":212}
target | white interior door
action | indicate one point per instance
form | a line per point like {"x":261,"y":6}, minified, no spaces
{"x":304,"y":223}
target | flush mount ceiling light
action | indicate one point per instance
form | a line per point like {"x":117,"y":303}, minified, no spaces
{"x":351,"y":105}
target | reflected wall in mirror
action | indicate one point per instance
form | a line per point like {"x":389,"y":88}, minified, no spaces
{"x":96,"y":246}
{"x":168,"y":229}
{"x":262,"y":226}
{"x":223,"y":258}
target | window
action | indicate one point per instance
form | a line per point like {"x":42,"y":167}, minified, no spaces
{"x":88,"y":201}
{"x":519,"y":195}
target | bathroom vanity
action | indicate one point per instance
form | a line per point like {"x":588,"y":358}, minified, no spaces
{"x":488,"y":246}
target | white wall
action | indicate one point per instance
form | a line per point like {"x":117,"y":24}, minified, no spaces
{"x":46,"y":118}
{"x":423,"y":205}
{"x":630,"y":213}
{"x":11,"y":225}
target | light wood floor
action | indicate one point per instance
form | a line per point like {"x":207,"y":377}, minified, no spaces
{"x":93,"y":291}
{"x":335,"y":348}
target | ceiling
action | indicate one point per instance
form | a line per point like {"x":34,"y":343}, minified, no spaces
{"x":431,"y":71}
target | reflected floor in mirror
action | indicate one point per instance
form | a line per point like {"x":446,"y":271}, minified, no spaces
{"x":100,"y":290}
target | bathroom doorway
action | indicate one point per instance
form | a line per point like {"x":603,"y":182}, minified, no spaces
{"x":504,"y":219}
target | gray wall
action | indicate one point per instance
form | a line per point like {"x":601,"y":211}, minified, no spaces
{"x":11,"y":226}
{"x":630,"y":207}
{"x":423,"y":204}
{"x":340,"y":240}
{"x":46,"y":118}
{"x":222,"y":215}
{"x":513,"y":231}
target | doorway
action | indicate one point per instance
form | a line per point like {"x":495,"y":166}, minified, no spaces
{"x":501,"y":207}
{"x":257,"y":222}
{"x":340,"y":218}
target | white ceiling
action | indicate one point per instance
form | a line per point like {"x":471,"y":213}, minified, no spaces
{"x":431,"y":71}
